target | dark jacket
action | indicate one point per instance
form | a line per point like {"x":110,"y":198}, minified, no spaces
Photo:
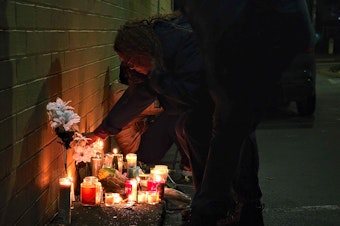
{"x":179,"y":87}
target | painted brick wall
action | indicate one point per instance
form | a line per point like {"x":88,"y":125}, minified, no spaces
{"x":49,"y":49}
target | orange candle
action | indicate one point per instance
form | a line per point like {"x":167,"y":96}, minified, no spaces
{"x":88,"y":192}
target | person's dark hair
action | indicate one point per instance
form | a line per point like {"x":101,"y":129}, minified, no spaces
{"x":138,"y":37}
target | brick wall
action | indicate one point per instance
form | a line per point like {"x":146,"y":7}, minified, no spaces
{"x":49,"y":49}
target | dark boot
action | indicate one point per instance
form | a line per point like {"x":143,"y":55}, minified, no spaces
{"x":251,"y":214}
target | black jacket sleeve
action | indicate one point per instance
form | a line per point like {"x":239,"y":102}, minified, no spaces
{"x":136,"y":98}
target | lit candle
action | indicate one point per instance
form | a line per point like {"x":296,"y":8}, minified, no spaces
{"x":108,"y":160}
{"x":156,"y":182}
{"x":131,"y":159}
{"x":144,"y":181}
{"x":152,"y":197}
{"x":96,"y":164}
{"x":142,"y":197}
{"x":65,"y":200}
{"x":131,"y":190}
{"x":117,"y":160}
{"x":116,"y":198}
{"x":162,"y":169}
{"x":88,"y":192}
{"x":109,"y":199}
{"x":98,"y":146}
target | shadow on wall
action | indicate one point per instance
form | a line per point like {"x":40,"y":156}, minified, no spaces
{"x":42,"y":158}
{"x":106,"y":103}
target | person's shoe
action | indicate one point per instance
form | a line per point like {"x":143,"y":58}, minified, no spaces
{"x":233,"y":217}
{"x":251,"y":214}
{"x":192,"y":219}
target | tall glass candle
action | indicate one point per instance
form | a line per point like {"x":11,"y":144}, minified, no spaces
{"x":65,"y":200}
{"x":96,"y":165}
{"x":117,"y":162}
{"x":131,"y":190}
{"x":131,"y":159}
{"x":108,"y":159}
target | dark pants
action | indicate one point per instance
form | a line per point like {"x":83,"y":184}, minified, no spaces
{"x":158,"y":139}
{"x":244,"y":65}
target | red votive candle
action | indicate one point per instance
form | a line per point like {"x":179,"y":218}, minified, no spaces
{"x":88,"y":192}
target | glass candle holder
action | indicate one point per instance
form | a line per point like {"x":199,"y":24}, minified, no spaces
{"x":109,"y":199}
{"x":152,"y":197}
{"x":131,"y":160}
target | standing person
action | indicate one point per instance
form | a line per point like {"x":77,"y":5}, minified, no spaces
{"x":167,"y":64}
{"x":247,"y":45}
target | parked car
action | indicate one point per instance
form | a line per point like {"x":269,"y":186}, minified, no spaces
{"x":298,"y":83}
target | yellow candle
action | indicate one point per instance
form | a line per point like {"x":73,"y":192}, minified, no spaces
{"x":142,"y":197}
{"x":131,"y":159}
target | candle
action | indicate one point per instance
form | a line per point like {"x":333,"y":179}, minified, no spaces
{"x":96,"y":163}
{"x":117,"y":160}
{"x":98,"y":146}
{"x":109,"y":199}
{"x":144,"y":181}
{"x":88,"y":192}
{"x":163,"y":170}
{"x":131,"y":159}
{"x":152,"y":197}
{"x":116,"y":198}
{"x":156,"y":182}
{"x":133,"y":172}
{"x":65,"y":200}
{"x":142,"y":197}
{"x":131,"y":190}
{"x":108,"y":158}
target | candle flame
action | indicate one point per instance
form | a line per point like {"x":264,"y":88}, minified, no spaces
{"x":115,"y":151}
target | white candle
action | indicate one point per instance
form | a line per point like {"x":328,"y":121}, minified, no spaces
{"x":142,"y":196}
{"x":117,"y":198}
{"x":131,"y":159}
{"x":65,"y":200}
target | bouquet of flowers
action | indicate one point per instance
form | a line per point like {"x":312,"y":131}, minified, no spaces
{"x":63,"y":120}
{"x":82,"y":151}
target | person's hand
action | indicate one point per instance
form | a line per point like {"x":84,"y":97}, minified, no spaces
{"x":92,"y":136}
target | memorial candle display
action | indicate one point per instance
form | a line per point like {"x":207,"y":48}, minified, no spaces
{"x":65,"y":200}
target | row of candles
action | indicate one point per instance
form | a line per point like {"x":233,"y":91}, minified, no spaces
{"x":144,"y":188}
